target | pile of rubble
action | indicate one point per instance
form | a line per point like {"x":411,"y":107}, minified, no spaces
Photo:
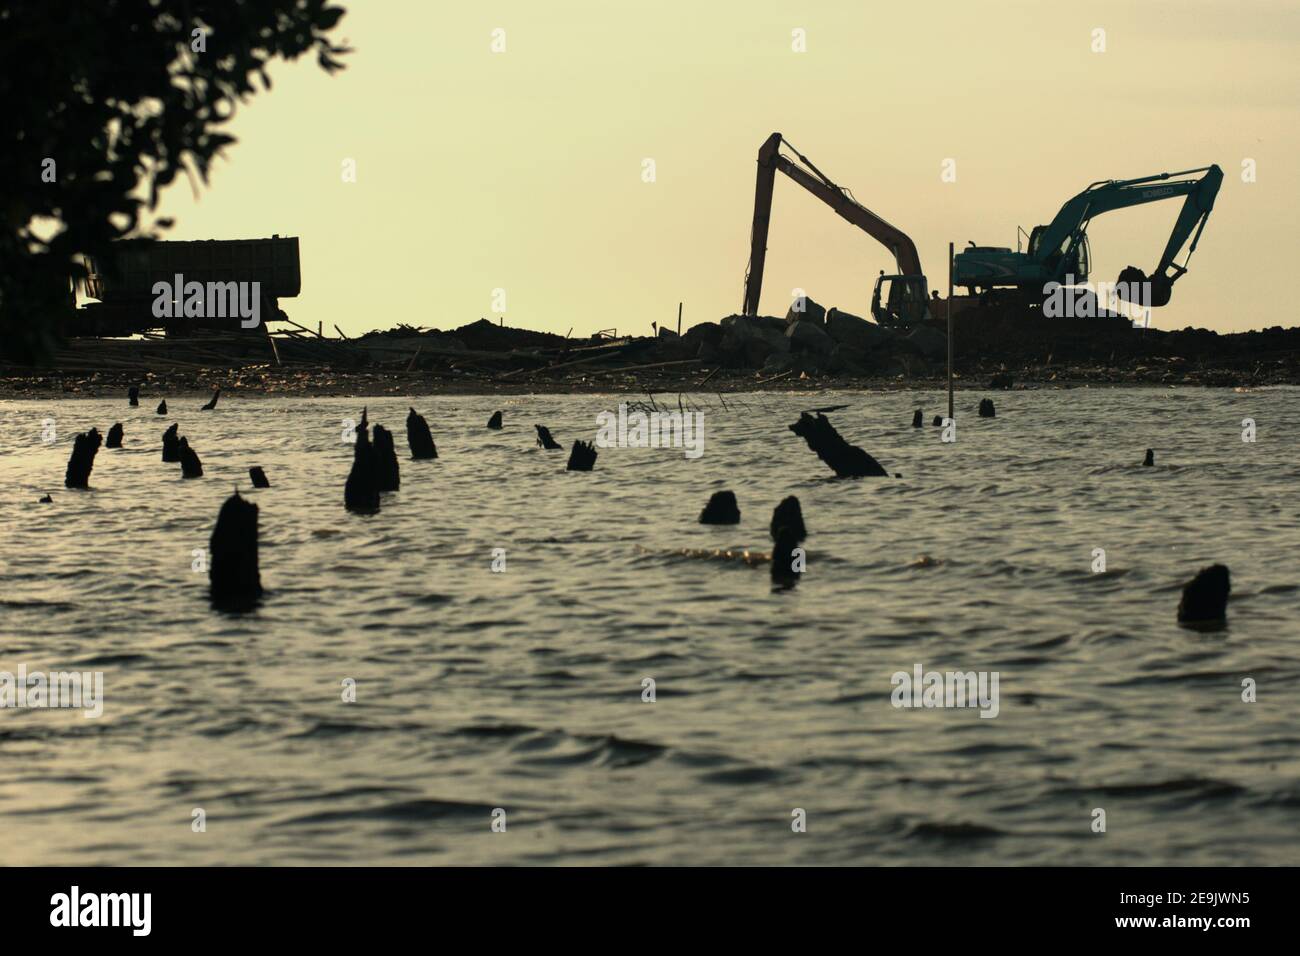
{"x":813,"y":340}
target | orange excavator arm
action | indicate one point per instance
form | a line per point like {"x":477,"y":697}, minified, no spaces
{"x":812,"y":179}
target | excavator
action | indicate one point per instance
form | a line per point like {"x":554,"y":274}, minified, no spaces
{"x":897,"y":300}
{"x":1059,"y":250}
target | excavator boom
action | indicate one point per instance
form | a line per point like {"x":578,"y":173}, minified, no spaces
{"x":770,"y":160}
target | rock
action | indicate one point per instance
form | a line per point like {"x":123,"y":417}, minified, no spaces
{"x":162,"y":407}
{"x":133,"y":396}
{"x":258,"y":477}
{"x":917,"y":421}
{"x":721,"y":509}
{"x":495,"y":421}
{"x":1002,"y":380}
{"x":1150,"y":459}
{"x":212,"y":403}
{"x":390,"y":477}
{"x":703,"y":341}
{"x":751,"y":339}
{"x":582,"y":457}
{"x":544,"y":439}
{"x":846,"y":358}
{"x":929,"y":341}
{"x":847,"y":461}
{"x":1205,"y":597}
{"x":84,"y":448}
{"x":851,"y":330}
{"x":788,"y":514}
{"x":234,"y":579}
{"x":171,"y":445}
{"x":191,"y":467}
{"x":704,"y":332}
{"x":419,"y":438}
{"x":937,"y":422}
{"x":114,"y":439}
{"x":809,"y":339}
{"x":47,"y":500}
{"x":986,"y":408}
{"x":777,"y":363}
{"x":804,"y":309}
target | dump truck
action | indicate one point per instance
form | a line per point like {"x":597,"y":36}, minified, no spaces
{"x":130,"y":298}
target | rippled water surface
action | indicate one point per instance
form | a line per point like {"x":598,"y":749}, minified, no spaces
{"x":523,"y":690}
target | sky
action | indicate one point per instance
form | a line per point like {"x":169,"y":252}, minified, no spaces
{"x":524,"y":171}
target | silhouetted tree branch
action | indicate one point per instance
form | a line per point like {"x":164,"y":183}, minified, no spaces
{"x":104,"y":103}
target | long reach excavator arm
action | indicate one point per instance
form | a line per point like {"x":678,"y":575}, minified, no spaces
{"x":906,"y":301}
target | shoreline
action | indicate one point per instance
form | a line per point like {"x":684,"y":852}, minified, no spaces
{"x":327,"y":383}
{"x":750,"y":354}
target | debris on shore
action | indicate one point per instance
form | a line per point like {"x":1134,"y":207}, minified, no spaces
{"x":991,"y":349}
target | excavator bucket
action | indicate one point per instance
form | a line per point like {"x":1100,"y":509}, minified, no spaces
{"x":1137,"y":287}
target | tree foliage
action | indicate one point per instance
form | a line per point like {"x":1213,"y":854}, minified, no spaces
{"x":106,"y":103}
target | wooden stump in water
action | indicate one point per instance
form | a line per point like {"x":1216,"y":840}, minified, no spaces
{"x":84,"y":448}
{"x":233,"y":575}
{"x":847,"y":461}
{"x":389,"y":475}
{"x":582,"y":457}
{"x":419,"y":438}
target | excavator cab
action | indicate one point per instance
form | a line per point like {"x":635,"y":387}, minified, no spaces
{"x":900,"y":300}
{"x":1071,"y":259}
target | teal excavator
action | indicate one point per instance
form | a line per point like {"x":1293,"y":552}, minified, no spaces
{"x":1059,"y":250}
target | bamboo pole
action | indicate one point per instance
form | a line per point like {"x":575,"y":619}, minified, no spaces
{"x":950,"y":264}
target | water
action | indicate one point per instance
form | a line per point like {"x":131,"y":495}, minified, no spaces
{"x":522,"y":690}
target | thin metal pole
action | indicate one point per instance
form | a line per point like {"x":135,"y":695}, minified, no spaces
{"x":679,"y":320}
{"x":950,"y":260}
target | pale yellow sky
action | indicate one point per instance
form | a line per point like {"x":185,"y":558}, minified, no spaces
{"x":522,"y":170}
